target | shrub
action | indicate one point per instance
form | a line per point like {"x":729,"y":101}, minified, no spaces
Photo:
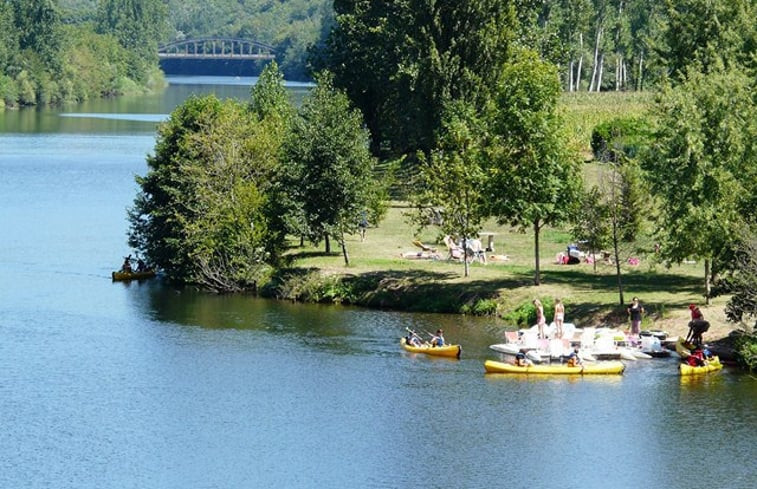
{"x":484,"y":307}
{"x":525,"y":314}
{"x":746,"y":351}
{"x":620,"y":137}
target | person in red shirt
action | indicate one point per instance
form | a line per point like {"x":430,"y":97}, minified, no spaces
{"x":697,"y":325}
{"x":695,"y":312}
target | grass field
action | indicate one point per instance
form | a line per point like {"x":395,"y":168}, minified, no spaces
{"x":591,"y":296}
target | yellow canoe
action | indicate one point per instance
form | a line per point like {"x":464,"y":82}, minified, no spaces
{"x":601,"y":368}
{"x":713,"y":364}
{"x":450,"y":351}
{"x":120,"y":276}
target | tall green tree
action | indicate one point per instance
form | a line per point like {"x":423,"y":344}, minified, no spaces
{"x":710,"y":34}
{"x":138,"y":25}
{"x":329,"y":164}
{"x":38,"y":24}
{"x":702,"y":165}
{"x":8,"y":36}
{"x":592,"y":222}
{"x":535,"y":178}
{"x":452,"y":179}
{"x":272,"y":108}
{"x":401,"y":61}
{"x":198,"y":215}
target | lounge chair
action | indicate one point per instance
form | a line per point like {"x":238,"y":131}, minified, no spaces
{"x":456,"y":252}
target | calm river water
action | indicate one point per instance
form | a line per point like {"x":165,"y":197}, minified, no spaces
{"x":141,"y":386}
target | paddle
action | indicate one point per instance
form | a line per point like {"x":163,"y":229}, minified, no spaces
{"x":413,"y":333}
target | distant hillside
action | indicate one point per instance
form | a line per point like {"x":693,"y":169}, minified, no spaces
{"x":291,"y":26}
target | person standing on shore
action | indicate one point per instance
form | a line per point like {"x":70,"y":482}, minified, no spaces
{"x":559,"y":317}
{"x":540,"y":320}
{"x":635,"y":310}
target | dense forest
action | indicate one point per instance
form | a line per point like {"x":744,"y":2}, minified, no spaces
{"x":49,"y":57}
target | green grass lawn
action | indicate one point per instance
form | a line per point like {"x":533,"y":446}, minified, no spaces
{"x":591,"y":296}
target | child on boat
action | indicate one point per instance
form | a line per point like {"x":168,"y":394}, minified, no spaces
{"x":521,"y":360}
{"x":413,"y":339}
{"x":574,"y":360}
{"x":438,"y":338}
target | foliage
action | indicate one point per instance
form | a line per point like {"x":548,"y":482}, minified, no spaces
{"x":329,"y":167}
{"x":746,"y":350}
{"x":138,"y":25}
{"x":481,"y":307}
{"x":198,"y":215}
{"x":702,"y":165}
{"x":452,"y":179}
{"x":740,"y":281}
{"x":627,"y":136}
{"x":402,"y":61}
{"x":270,"y":106}
{"x":524,"y":315}
{"x":44,"y":60}
{"x":592,"y":226}
{"x":708,"y":35}
{"x":535,"y":179}
{"x":313,"y":287}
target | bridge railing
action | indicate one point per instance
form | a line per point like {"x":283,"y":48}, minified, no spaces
{"x":214,"y":48}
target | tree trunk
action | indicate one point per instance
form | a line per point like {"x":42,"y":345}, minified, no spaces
{"x":570,"y":76}
{"x":599,"y":77}
{"x":344,"y":251}
{"x":707,"y":283}
{"x":616,"y":251}
{"x":328,"y":243}
{"x":596,"y":59}
{"x":537,"y":274}
{"x":639,"y":84}
{"x":465,"y":256}
{"x":580,"y":60}
{"x":615,"y":239}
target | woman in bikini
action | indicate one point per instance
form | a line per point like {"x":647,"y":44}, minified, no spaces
{"x":559,"y":317}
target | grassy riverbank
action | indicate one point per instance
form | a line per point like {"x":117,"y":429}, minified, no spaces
{"x":379,"y":277}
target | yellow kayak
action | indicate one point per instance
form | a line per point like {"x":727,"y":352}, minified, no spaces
{"x":450,"y":351}
{"x":713,"y":364}
{"x":119,"y":276}
{"x":601,"y":368}
{"x":683,"y":348}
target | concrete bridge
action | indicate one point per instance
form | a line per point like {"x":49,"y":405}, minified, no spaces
{"x":216,"y":48}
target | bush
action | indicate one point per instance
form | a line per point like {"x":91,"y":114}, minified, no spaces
{"x":746,"y":351}
{"x":525,"y":314}
{"x":481,"y":307}
{"x":620,"y":137}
